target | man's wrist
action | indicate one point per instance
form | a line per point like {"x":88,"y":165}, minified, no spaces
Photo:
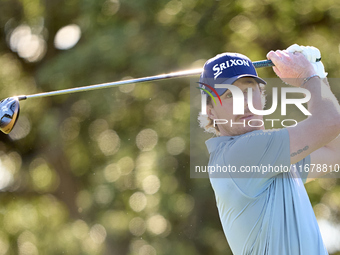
{"x":305,"y":80}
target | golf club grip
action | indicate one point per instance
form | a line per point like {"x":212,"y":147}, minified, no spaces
{"x":268,"y":63}
{"x":263,"y":63}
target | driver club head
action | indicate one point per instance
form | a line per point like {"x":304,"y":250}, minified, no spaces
{"x":9,"y":113}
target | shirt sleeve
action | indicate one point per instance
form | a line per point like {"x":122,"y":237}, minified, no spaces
{"x":303,"y":171}
{"x":253,"y":159}
{"x":259,"y":154}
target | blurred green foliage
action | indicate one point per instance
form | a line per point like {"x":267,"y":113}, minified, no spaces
{"x":107,"y":172}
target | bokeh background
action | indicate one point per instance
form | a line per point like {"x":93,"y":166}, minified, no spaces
{"x":107,"y":172}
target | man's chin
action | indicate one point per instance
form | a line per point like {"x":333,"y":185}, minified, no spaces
{"x":251,"y":123}
{"x":248,"y":129}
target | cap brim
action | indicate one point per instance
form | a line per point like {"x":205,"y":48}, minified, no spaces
{"x":220,"y":91}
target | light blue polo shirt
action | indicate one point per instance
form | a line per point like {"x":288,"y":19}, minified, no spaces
{"x":268,"y":213}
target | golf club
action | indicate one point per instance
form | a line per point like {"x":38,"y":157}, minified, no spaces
{"x":258,"y":64}
{"x":9,"y":107}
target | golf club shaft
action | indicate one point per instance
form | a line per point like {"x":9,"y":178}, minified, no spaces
{"x":257,"y":64}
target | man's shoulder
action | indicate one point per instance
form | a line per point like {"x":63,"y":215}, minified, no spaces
{"x":256,"y":143}
{"x":263,"y":133}
{"x":249,"y":143}
{"x":261,"y":137}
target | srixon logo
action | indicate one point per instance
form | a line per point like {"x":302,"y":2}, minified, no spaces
{"x":238,"y":100}
{"x":218,"y":68}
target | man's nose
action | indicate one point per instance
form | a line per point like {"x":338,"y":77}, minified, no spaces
{"x":245,"y":97}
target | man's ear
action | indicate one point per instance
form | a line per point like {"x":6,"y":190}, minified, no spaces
{"x":211,"y":112}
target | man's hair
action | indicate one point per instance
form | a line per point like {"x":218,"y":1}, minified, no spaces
{"x":208,"y":124}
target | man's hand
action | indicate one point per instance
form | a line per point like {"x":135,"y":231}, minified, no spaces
{"x":292,"y":68}
{"x":313,"y":55}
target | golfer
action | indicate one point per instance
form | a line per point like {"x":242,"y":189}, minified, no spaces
{"x":269,"y":213}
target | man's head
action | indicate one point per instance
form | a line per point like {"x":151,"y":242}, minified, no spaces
{"x":236,"y":69}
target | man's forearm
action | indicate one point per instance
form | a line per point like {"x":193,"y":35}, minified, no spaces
{"x":335,"y":143}
{"x":324,"y":108}
{"x":323,"y":105}
{"x":328,"y":154}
